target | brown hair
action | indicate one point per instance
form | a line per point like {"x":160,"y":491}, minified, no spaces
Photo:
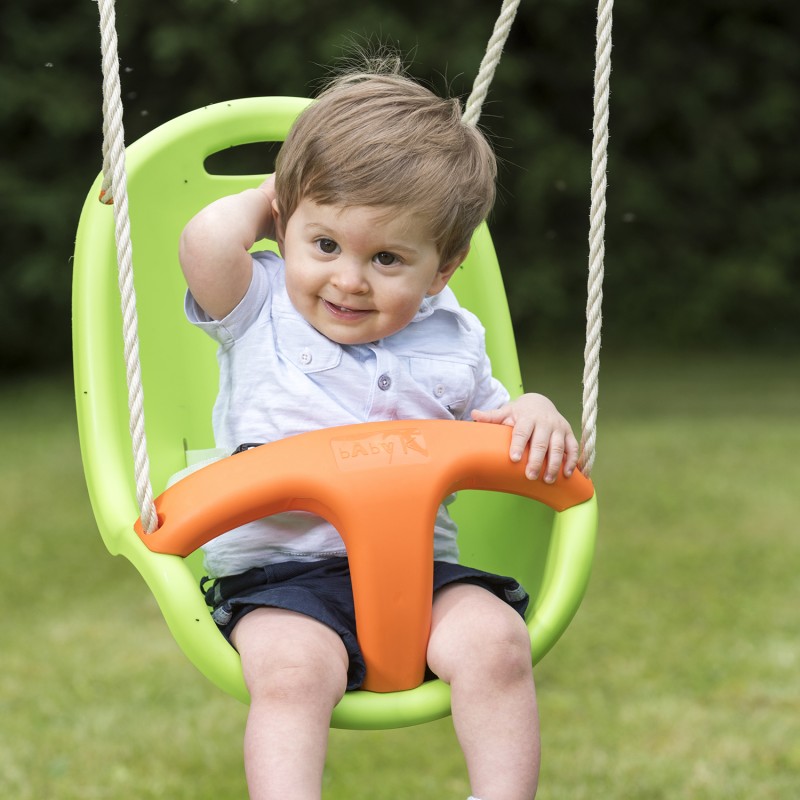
{"x":383,"y":140}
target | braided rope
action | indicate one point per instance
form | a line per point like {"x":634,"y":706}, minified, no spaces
{"x":594,"y":301}
{"x":115,"y":192}
{"x":494,"y":50}
{"x":596,"y":237}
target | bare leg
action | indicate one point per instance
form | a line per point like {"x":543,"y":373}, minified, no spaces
{"x":480,"y":646}
{"x":295,"y":669}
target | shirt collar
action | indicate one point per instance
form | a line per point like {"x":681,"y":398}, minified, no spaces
{"x":446,"y":302}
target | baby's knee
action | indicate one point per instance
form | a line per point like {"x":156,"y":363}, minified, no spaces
{"x":506,"y":650}
{"x":485,"y":637}
{"x":290,"y":656}
{"x":293,"y":673}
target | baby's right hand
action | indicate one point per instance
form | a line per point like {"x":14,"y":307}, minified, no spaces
{"x":215,"y":246}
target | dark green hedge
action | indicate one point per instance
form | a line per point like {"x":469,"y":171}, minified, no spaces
{"x":704,"y":170}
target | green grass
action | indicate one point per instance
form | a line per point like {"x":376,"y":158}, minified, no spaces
{"x":679,"y":678}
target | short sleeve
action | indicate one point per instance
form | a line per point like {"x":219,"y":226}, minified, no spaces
{"x":232,"y":327}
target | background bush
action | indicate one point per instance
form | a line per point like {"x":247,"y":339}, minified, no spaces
{"x":704,"y":165}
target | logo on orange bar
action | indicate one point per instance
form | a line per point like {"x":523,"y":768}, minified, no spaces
{"x":404,"y":446}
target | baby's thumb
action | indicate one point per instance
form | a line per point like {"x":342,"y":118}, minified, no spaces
{"x":478,"y":415}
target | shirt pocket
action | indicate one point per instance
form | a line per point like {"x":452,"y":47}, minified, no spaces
{"x":305,"y":348}
{"x":450,"y":383}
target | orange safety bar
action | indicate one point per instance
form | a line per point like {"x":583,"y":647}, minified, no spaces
{"x":380,"y":484}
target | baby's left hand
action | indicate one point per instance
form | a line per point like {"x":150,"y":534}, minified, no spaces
{"x":536,"y":420}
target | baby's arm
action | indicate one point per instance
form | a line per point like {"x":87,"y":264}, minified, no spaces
{"x":536,"y":420}
{"x":215,"y":243}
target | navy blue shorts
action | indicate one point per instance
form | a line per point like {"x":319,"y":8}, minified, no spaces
{"x":322,"y":590}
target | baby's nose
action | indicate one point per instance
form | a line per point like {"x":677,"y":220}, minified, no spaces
{"x":349,"y":277}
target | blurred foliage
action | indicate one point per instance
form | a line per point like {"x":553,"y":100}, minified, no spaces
{"x":704,"y":168}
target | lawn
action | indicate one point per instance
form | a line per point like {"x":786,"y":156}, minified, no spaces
{"x":679,"y":678}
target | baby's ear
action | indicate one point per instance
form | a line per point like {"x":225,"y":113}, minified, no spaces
{"x":446,"y":271}
{"x":280,"y":228}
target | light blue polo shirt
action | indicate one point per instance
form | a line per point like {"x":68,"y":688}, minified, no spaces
{"x":279,"y":376}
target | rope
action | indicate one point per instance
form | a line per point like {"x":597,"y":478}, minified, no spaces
{"x":480,"y":88}
{"x":596,"y":236}
{"x":494,"y":50}
{"x":115,"y":192}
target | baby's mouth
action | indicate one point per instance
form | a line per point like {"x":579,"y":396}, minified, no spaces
{"x":344,"y":312}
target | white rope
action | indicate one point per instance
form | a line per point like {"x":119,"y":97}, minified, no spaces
{"x":491,"y":59}
{"x":494,"y":50}
{"x":597,"y":227}
{"x":115,"y":191}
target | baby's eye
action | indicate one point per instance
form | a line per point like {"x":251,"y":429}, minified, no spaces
{"x":386,"y":259}
{"x":327,"y":246}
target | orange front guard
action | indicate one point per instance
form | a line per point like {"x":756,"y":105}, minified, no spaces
{"x":380,"y":484}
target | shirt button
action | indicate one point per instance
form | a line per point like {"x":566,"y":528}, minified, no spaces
{"x":305,"y":356}
{"x":384,"y":382}
{"x":439,"y":390}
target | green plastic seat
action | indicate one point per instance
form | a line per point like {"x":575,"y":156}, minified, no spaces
{"x":549,"y":552}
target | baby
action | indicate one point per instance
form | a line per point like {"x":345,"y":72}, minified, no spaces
{"x":376,"y":193}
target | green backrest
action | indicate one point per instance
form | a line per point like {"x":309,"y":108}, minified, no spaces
{"x":168,"y":183}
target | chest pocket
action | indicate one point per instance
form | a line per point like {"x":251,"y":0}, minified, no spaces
{"x":449,"y":383}
{"x":305,"y":348}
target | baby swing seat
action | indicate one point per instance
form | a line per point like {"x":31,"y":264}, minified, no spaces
{"x":546,"y":543}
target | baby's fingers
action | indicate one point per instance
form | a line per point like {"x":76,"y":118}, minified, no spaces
{"x":499,"y":416}
{"x":520,"y":437}
{"x":520,"y":434}
{"x":571,"y":454}
{"x":555,"y":456}
{"x":546,"y":445}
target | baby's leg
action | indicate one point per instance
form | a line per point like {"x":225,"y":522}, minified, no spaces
{"x":480,"y":646}
{"x":295,"y":669}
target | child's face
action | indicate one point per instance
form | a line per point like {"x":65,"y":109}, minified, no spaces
{"x":359,"y":274}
